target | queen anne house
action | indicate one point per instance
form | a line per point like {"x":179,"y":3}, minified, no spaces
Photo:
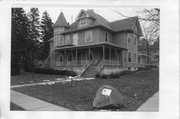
{"x":93,"y":44}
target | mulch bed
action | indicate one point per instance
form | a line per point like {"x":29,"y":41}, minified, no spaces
{"x":15,"y":107}
{"x":78,"y":95}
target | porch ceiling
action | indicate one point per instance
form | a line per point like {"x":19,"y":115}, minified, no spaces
{"x":90,"y":45}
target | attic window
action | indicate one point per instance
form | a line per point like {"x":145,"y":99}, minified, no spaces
{"x":83,"y":22}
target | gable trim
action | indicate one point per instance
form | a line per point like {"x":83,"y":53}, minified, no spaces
{"x":78,"y":17}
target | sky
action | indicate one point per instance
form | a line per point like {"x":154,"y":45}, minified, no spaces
{"x":71,"y":13}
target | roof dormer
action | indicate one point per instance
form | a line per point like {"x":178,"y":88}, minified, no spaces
{"x":82,"y":14}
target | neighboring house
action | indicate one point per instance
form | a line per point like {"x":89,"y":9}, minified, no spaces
{"x":142,"y":52}
{"x":154,"y":54}
{"x":93,"y":44}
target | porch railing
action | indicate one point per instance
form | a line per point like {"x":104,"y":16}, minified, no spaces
{"x":107,"y":63}
{"x":76,"y":63}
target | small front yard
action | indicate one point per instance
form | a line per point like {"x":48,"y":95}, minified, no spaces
{"x":28,"y":78}
{"x":78,"y":95}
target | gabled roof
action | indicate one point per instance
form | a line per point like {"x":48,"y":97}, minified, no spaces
{"x":115,"y":26}
{"x":99,"y":20}
{"x":124,"y":24}
{"x":61,"y":21}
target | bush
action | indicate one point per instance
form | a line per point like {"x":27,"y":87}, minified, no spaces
{"x":53,"y":71}
{"x":103,"y":76}
{"x":98,"y":75}
{"x":114,"y":75}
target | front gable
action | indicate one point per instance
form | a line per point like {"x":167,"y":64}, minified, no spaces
{"x":137,"y":28}
{"x":82,"y":14}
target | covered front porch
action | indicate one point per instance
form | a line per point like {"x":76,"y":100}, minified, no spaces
{"x":92,"y":55}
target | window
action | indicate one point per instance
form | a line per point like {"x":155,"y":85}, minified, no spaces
{"x":88,"y":36}
{"x":67,"y":40}
{"x":135,"y":57}
{"x":61,"y":42}
{"x":61,"y":58}
{"x":83,"y":22}
{"x":135,"y":40}
{"x":124,"y":56}
{"x":129,"y":40}
{"x":61,"y":29}
{"x":129,"y":57}
{"x":139,"y":59}
{"x":56,"y":41}
{"x":75,"y":39}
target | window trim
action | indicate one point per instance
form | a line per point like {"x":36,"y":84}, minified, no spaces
{"x":135,"y":56}
{"x":81,"y":22}
{"x":90,"y":35}
{"x":130,"y":57}
{"x":67,"y":42}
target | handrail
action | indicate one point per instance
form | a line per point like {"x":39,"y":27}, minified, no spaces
{"x":100,"y":65}
{"x":47,"y":59}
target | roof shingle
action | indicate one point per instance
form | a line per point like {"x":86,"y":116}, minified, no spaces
{"x":61,"y":21}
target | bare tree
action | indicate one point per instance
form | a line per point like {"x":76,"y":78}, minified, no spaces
{"x":150,"y":22}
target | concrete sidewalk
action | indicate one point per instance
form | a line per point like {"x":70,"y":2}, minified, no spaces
{"x":151,"y":105}
{"x":33,"y":104}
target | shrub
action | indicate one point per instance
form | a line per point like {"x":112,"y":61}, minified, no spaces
{"x":53,"y":71}
{"x":125,"y":72}
{"x":114,"y":75}
{"x":98,"y":75}
{"x":103,"y":76}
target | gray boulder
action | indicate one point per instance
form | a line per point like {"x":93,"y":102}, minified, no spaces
{"x":108,"y":97}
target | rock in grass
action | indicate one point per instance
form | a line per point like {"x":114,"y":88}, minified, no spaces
{"x":108,"y":97}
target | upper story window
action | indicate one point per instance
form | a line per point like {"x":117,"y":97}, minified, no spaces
{"x":135,"y":40}
{"x":61,"y":42}
{"x":67,"y":40}
{"x":129,"y":40}
{"x":58,"y":29}
{"x":75,"y":39}
{"x":88,"y":36}
{"x":58,"y":41}
{"x":83,"y":22}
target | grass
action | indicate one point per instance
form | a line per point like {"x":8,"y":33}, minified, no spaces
{"x":135,"y":87}
{"x":15,"y":107}
{"x":27,"y":78}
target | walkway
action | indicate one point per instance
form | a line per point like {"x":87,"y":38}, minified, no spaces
{"x":151,"y":105}
{"x":33,"y":104}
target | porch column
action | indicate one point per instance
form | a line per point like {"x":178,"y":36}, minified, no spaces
{"x":110,"y":53}
{"x":65,"y":58}
{"x":89,"y":54}
{"x":76,"y":57}
{"x":115,"y":53}
{"x":76,"y":54}
{"x":103,"y":52}
{"x":71,"y":55}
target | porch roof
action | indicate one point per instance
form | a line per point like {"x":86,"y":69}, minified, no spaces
{"x":90,"y":45}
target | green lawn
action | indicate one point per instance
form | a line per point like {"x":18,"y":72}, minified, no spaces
{"x":27,"y":78}
{"x":15,"y":107}
{"x":136,"y":87}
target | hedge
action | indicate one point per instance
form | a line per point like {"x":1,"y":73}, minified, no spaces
{"x":53,"y":71}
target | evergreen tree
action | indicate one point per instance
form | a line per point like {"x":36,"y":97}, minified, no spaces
{"x":47,"y":33}
{"x":19,"y":37}
{"x":34,"y":37}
